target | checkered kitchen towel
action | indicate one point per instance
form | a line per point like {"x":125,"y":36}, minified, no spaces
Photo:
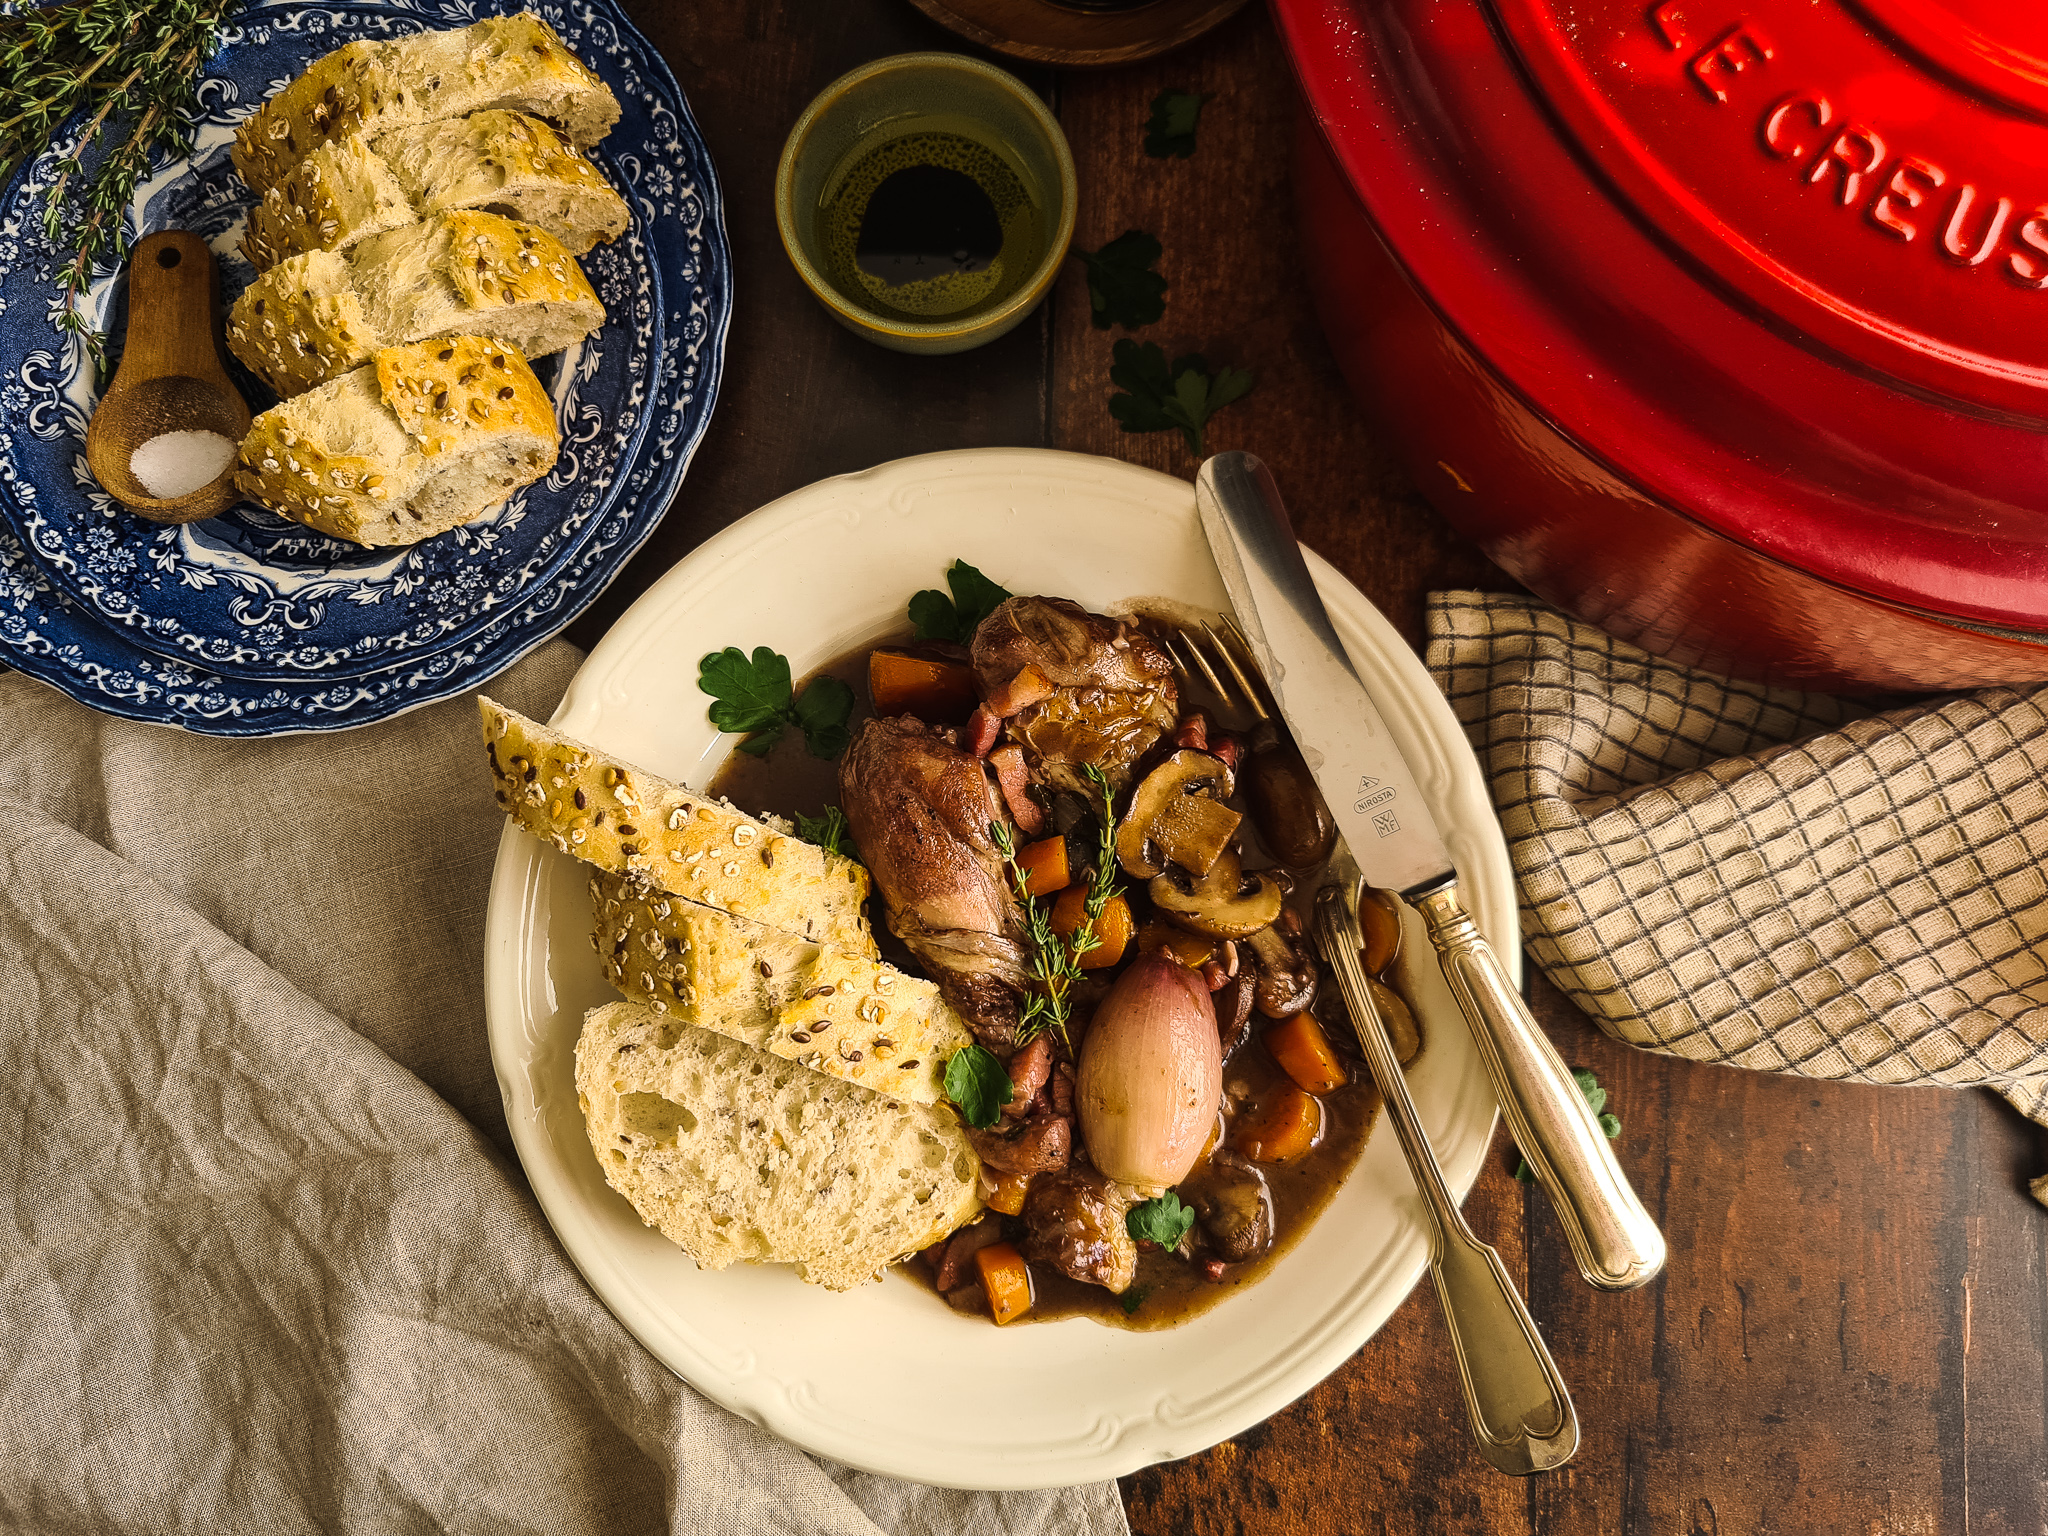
{"x":1762,"y":877}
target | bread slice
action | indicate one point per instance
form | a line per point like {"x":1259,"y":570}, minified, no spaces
{"x":733,"y":1154}
{"x":427,"y":437}
{"x":313,"y":317}
{"x":373,"y":88}
{"x":495,"y":161}
{"x":667,"y":837}
{"x":840,"y":1013}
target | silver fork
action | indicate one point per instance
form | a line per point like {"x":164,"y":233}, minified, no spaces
{"x":1516,"y":1403}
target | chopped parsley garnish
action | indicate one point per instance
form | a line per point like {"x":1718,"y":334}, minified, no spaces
{"x":1164,"y":1221}
{"x":752,"y":695}
{"x":1122,"y":287}
{"x":1171,"y":128}
{"x":1596,"y":1100}
{"x":1133,"y":1299}
{"x":1161,"y":397}
{"x":978,"y":1085}
{"x":829,"y":832}
{"x":975,"y":597}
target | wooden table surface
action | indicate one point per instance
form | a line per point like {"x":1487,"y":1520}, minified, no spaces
{"x":1852,"y":1334}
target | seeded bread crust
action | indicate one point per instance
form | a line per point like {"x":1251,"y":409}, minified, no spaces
{"x":313,"y":317}
{"x":734,"y":1154}
{"x":835,"y":1012}
{"x":348,"y":190}
{"x":373,"y":88}
{"x":666,"y":837}
{"x":428,"y":437}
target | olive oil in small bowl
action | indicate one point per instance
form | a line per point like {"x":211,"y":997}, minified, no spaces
{"x":927,"y":200}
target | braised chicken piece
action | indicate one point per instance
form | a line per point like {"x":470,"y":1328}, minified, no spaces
{"x":1074,"y":1221}
{"x":1075,"y":689}
{"x":919,"y":809}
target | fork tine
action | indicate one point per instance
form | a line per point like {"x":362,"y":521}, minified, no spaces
{"x":1254,"y":691}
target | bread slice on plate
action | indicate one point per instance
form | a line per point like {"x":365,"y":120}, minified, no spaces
{"x":373,"y":87}
{"x":313,"y":317}
{"x":736,"y":1155}
{"x":427,"y":437}
{"x":667,"y":837}
{"x":496,"y":161}
{"x":843,"y":1014}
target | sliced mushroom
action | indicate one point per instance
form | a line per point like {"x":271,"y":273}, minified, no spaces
{"x":1287,"y":974}
{"x":1177,"y":814}
{"x":1234,"y":1204}
{"x":1233,"y":1003}
{"x":1226,"y":903}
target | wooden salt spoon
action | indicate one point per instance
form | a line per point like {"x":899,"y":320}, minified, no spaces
{"x":171,"y":378}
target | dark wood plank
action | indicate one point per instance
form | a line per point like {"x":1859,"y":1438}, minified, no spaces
{"x":803,"y":398}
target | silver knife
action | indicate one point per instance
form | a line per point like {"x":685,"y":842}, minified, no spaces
{"x":1374,"y":800}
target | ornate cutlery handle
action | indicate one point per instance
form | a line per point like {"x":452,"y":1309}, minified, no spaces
{"x":1521,"y":1415}
{"x":1612,"y":1237}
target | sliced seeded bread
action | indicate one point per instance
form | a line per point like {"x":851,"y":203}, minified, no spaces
{"x":313,"y":317}
{"x":839,"y":1013}
{"x":667,"y":837}
{"x":374,"y":87}
{"x":734,"y":1154}
{"x":496,"y":161}
{"x":427,"y":437}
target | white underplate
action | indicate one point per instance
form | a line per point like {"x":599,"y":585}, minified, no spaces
{"x":887,"y":1378}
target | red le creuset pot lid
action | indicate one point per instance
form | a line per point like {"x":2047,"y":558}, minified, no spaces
{"x":1783,"y":263}
{"x":1875,"y":177}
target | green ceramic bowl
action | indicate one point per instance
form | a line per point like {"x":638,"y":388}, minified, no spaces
{"x":916,"y":110}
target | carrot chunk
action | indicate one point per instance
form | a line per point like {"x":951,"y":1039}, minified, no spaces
{"x":938,"y":691}
{"x":1304,"y":1051}
{"x":1115,"y":927}
{"x":1279,"y":1127}
{"x":1007,"y":1279}
{"x":1045,"y":866}
{"x":1381,"y":920}
{"x":1008,"y":1195}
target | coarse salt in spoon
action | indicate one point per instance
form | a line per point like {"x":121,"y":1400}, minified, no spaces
{"x":172,"y":411}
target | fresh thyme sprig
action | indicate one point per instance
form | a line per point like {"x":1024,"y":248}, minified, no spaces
{"x":133,"y":65}
{"x":1056,"y":962}
{"x":1055,"y":966}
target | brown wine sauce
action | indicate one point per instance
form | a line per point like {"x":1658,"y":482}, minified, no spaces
{"x":788,"y":781}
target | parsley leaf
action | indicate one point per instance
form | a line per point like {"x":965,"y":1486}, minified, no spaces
{"x":978,"y":1085}
{"x":829,"y":832}
{"x":1171,"y":128}
{"x":1164,"y":1221}
{"x":1596,"y":1100}
{"x":1133,"y":1299}
{"x":1161,"y":397}
{"x":975,"y":597}
{"x":821,"y":711}
{"x":752,"y":695}
{"x":1122,"y":287}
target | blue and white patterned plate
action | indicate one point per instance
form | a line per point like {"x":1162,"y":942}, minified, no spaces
{"x":252,"y":598}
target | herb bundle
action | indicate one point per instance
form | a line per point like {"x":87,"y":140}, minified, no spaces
{"x":132,"y":64}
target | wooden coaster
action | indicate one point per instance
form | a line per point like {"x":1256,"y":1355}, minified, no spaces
{"x":1046,"y":33}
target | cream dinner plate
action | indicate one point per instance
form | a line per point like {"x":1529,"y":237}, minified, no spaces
{"x":887,"y":1378}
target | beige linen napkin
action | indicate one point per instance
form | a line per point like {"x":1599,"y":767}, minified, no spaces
{"x":266,"y":1264}
{"x":1762,"y":877}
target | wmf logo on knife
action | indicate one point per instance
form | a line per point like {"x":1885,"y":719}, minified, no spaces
{"x":1370,"y":794}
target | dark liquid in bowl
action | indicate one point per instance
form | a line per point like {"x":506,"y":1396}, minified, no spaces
{"x":1168,"y":1290}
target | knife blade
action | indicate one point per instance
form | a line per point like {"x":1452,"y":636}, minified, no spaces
{"x":1388,"y":827}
